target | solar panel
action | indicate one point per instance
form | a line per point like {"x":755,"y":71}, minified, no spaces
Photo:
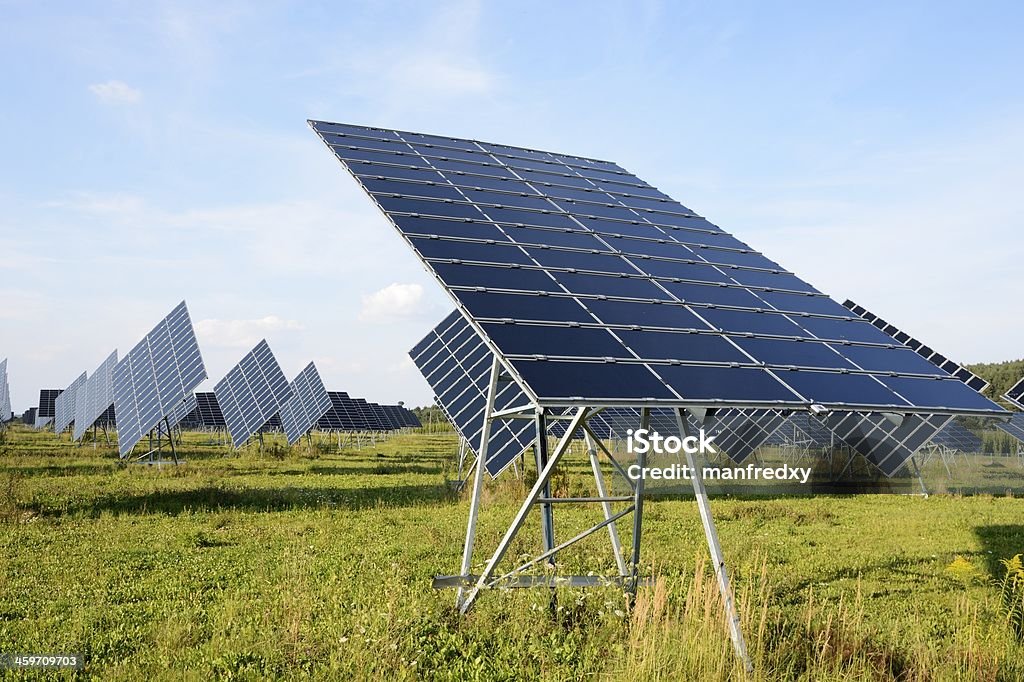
{"x":397,"y":416}
{"x":252,"y":393}
{"x":155,"y":376}
{"x":5,"y":393}
{"x":308,"y":403}
{"x":457,"y":366}
{"x":958,"y":437}
{"x":1016,"y":394}
{"x":46,"y":408}
{"x":29,"y":418}
{"x":596,"y":288}
{"x":882,"y":442}
{"x":64,"y":405}
{"x":183,"y":411}
{"x":801,"y":427}
{"x":368,"y":415}
{"x":385,"y":416}
{"x":412,"y":419}
{"x":959,"y":371}
{"x":1014,"y":427}
{"x":95,"y":396}
{"x":344,"y":415}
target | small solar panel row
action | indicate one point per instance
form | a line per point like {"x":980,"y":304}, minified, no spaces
{"x":959,"y":371}
{"x":64,"y":405}
{"x":29,"y":417}
{"x":252,"y":393}
{"x":343,"y":415}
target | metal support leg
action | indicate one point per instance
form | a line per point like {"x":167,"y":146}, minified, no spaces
{"x":478,"y":482}
{"x":613,"y":531}
{"x":715,"y":548}
{"x":540,"y":452}
{"x":520,"y":518}
{"x":920,"y":479}
{"x":638,"y":510}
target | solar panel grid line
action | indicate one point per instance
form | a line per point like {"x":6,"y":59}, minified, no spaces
{"x":64,"y":405}
{"x":777,"y":390}
{"x":95,"y":396}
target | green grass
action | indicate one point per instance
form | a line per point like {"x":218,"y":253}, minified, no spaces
{"x":293,"y":564}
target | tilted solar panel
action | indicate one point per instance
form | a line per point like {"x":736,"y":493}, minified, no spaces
{"x":155,"y":376}
{"x":599,"y":289}
{"x":47,"y":408}
{"x":29,"y":418}
{"x":64,"y":405}
{"x":1014,"y":427}
{"x":1016,"y":394}
{"x":959,"y":371}
{"x":343,"y":415}
{"x":368,"y":415}
{"x":95,"y":396}
{"x":958,"y":437}
{"x":412,"y":419}
{"x":308,"y":403}
{"x":883,"y":443}
{"x":252,"y":393}
{"x":457,"y":366}
{"x":5,"y":393}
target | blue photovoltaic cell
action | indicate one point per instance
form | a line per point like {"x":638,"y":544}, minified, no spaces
{"x":5,"y":393}
{"x":457,"y":365}
{"x":308,"y":403}
{"x":95,"y":396}
{"x":1016,"y":394}
{"x":205,"y":413}
{"x":155,"y":376}
{"x":64,"y":405}
{"x":584,"y":252}
{"x":251,"y":393}
{"x":344,"y":415}
{"x":1014,"y":427}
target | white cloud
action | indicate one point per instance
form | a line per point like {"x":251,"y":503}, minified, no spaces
{"x":116,"y":91}
{"x":393,"y":302}
{"x":242,"y":333}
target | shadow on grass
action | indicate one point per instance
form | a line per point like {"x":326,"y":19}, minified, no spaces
{"x":215,"y":498}
{"x":1000,"y":542}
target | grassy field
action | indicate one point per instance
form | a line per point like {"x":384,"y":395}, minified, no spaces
{"x":295,"y":564}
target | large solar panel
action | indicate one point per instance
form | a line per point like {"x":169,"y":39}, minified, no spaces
{"x":958,"y":437}
{"x":47,"y":408}
{"x":308,"y":403}
{"x":1014,"y":427}
{"x":155,"y":376}
{"x":95,"y":396}
{"x":64,"y":405}
{"x":252,"y":393}
{"x":599,"y":289}
{"x":457,"y":366}
{"x":959,"y":371}
{"x":5,"y":393}
{"x":1016,"y":394}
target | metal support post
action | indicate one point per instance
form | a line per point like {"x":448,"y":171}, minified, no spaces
{"x":602,"y":492}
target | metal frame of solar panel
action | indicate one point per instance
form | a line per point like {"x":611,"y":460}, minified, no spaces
{"x":308,"y":403}
{"x":5,"y":395}
{"x":95,"y":396}
{"x":592,"y":288}
{"x":154,"y":377}
{"x":1016,"y":394}
{"x":64,"y":405}
{"x":457,"y":366}
{"x":252,"y":393}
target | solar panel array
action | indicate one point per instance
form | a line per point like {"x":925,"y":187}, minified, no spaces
{"x":597,"y":287}
{"x":882,"y":442}
{"x":95,"y":396}
{"x":958,"y":437}
{"x":155,"y":377}
{"x":64,"y":405}
{"x":1016,"y":394}
{"x":457,"y":366}
{"x":1014,"y":427}
{"x":960,"y":372}
{"x":251,"y":393}
{"x":29,"y":418}
{"x":344,"y":415}
{"x":5,"y":393}
{"x":47,"y":408}
{"x":308,"y":403}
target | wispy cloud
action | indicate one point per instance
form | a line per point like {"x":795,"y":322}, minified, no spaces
{"x":393,"y":302}
{"x":115,"y":91}
{"x":242,"y":333}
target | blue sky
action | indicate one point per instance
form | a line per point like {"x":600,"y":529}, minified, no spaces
{"x":158,"y":151}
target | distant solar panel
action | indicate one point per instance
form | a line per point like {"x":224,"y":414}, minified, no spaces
{"x":1016,"y":394}
{"x":64,"y":405}
{"x":368,"y":415}
{"x":29,"y":417}
{"x":155,"y":376}
{"x":308,"y":403}
{"x":412,"y":419}
{"x":344,"y":415}
{"x":457,"y":366}
{"x":1014,"y":427}
{"x":959,"y":371}
{"x":95,"y":396}
{"x":396,"y":415}
{"x":883,"y":443}
{"x":385,"y":417}
{"x":252,"y":393}
{"x":596,"y":288}
{"x":47,"y":408}
{"x":5,"y":393}
{"x":958,"y":437}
